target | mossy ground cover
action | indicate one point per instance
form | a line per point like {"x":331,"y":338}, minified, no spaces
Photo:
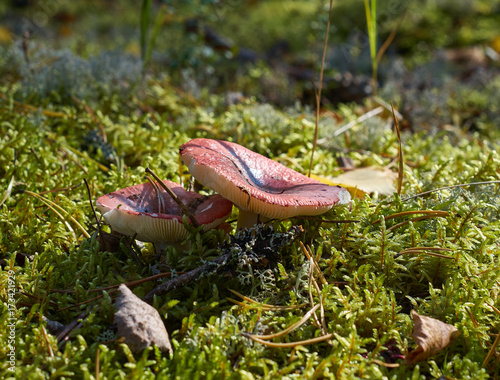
{"x":99,"y":117}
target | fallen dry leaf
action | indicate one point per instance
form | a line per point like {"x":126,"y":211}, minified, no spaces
{"x":363,"y":181}
{"x":139,"y":323}
{"x":431,"y":336}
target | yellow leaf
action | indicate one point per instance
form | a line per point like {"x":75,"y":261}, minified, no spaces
{"x":353,"y":190}
{"x":5,"y":35}
{"x":495,"y":44}
{"x":364,"y":181}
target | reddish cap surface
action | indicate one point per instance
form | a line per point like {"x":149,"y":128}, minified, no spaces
{"x":256,"y":183}
{"x":135,"y":210}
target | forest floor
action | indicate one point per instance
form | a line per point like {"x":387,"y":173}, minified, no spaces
{"x":93,"y":93}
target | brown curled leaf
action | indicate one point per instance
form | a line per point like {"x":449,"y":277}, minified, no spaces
{"x":431,"y":336}
{"x":139,"y":323}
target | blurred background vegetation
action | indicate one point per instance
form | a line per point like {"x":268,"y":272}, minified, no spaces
{"x":269,"y":50}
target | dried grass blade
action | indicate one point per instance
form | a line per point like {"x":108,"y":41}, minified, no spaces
{"x":97,"y":363}
{"x":405,"y":213}
{"x":309,"y":255}
{"x":8,"y":192}
{"x":494,"y":308}
{"x":387,"y":365}
{"x":264,"y":306}
{"x":492,"y":350}
{"x":425,"y":248}
{"x":291,"y":344}
{"x":309,"y":288}
{"x":36,"y":109}
{"x":53,"y":207}
{"x":291,"y":327}
{"x":320,"y":84}
{"x":184,"y":208}
{"x":78,"y":153}
{"x":366,"y":116}
{"x":322,"y":307}
{"x":400,"y":152}
{"x":426,"y":252}
{"x":430,"y":216}
{"x":61,"y":189}
{"x":46,"y":338}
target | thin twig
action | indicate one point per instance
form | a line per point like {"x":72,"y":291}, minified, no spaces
{"x":89,"y":193}
{"x":85,"y":302}
{"x":467,"y":217}
{"x":186,"y":278}
{"x":75,"y":324}
{"x":35,"y":109}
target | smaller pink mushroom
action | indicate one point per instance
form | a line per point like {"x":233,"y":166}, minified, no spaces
{"x":138,"y":211}
{"x":256,"y":184}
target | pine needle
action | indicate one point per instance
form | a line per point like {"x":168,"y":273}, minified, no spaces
{"x":405,"y":213}
{"x":262,"y":306}
{"x":291,"y":327}
{"x":426,"y":250}
{"x":400,"y":153}
{"x":430,"y":216}
{"x":309,"y":256}
{"x":493,"y":348}
{"x":322,"y":338}
{"x":8,"y":192}
{"x":450,"y":187}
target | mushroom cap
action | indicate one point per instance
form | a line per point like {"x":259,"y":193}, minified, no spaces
{"x":135,"y":211}
{"x":256,"y":183}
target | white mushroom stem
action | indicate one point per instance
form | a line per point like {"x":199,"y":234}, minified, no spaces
{"x":248,"y":219}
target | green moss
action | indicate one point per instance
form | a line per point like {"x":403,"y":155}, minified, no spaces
{"x":371,"y":288}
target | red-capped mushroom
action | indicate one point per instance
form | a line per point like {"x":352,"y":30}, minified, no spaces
{"x":258,"y":185}
{"x":152,"y":215}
